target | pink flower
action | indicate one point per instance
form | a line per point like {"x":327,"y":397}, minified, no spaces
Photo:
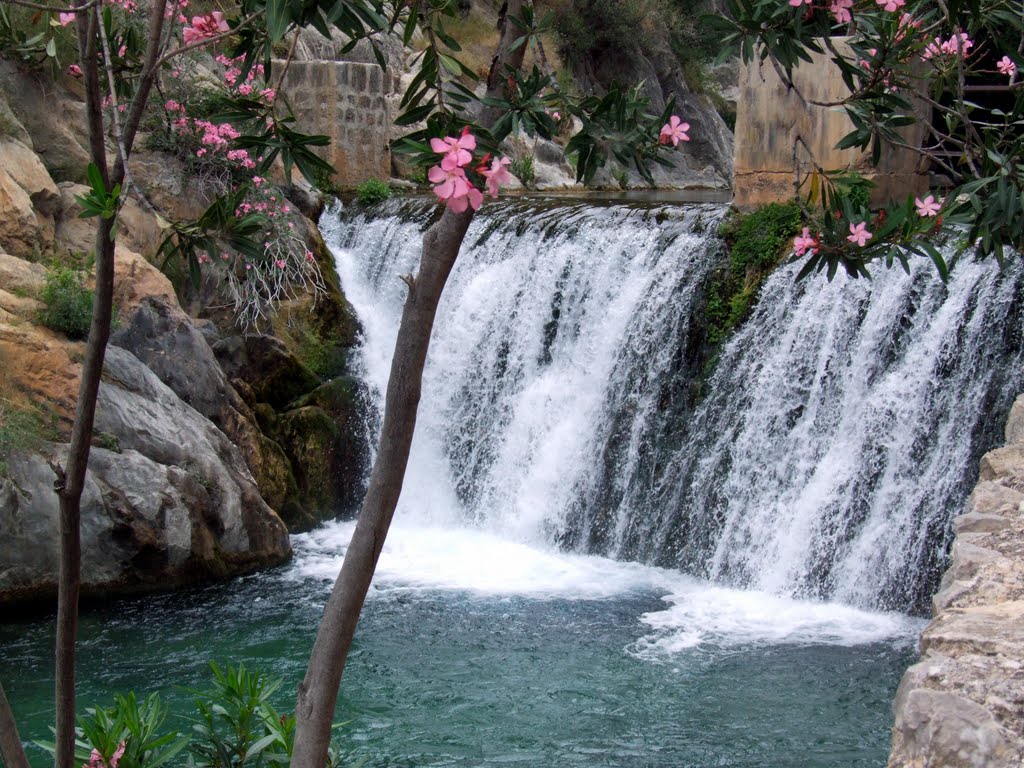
{"x":1006,"y":66}
{"x":96,"y":759}
{"x":674,"y":131}
{"x":804,"y":242}
{"x":891,"y":5}
{"x":841,"y":10}
{"x":65,"y":18}
{"x":205,"y":26}
{"x":557,"y":116}
{"x":74,"y":70}
{"x":280,"y":263}
{"x":122,"y":50}
{"x":497,"y":175}
{"x":457,"y":152}
{"x":798,"y":3}
{"x":859,"y":234}
{"x":454,"y":188}
{"x":928,"y":206}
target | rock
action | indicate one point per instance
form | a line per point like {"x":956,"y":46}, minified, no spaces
{"x":963,"y":703}
{"x":10,"y":126}
{"x":941,"y":729}
{"x":25,"y":168}
{"x":176,"y":505}
{"x":40,"y":365}
{"x":1015,"y":422}
{"x":329,"y":458}
{"x":139,"y":229}
{"x":161,"y":335}
{"x":28,"y":198}
{"x":274,"y":374}
{"x":21,"y":275}
{"x":53,"y":118}
{"x":707,"y":159}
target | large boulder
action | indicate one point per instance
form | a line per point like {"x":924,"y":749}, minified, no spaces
{"x":52,"y":116}
{"x":707,"y":159}
{"x":28,"y":200}
{"x":161,"y":335}
{"x":170,"y":501}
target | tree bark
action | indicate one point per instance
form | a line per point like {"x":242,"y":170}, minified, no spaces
{"x":318,"y":692}
{"x":11,"y":749}
{"x":70,"y":480}
{"x":504,"y":58}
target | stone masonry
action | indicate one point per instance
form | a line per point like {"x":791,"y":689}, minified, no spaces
{"x":962,"y":704}
{"x":771,"y":120}
{"x":344,"y":101}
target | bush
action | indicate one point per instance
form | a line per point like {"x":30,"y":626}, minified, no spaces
{"x":372,"y":192}
{"x":68,"y":303}
{"x":756,"y":242}
{"x":522,"y":168}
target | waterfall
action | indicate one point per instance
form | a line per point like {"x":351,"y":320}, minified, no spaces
{"x":567,"y":398}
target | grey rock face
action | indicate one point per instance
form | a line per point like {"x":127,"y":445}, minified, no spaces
{"x":173,"y":504}
{"x":962,"y":704}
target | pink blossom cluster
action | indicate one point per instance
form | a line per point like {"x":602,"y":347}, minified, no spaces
{"x":248,"y":87}
{"x":1006,"y":66}
{"x":205,"y":26}
{"x":804,"y":243}
{"x":957,"y":45}
{"x":96,"y":759}
{"x":178,"y":7}
{"x":213,"y":138}
{"x":449,"y":177}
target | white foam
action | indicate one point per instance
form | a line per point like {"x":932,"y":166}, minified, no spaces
{"x":451,"y":559}
{"x":702,"y":613}
{"x":426,"y":558}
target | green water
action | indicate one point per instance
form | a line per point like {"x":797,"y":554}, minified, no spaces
{"x":443,"y":676}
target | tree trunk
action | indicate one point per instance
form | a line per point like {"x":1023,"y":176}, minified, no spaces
{"x":12,"y":752}
{"x":318,"y":692}
{"x":504,"y":59}
{"x":70,"y":483}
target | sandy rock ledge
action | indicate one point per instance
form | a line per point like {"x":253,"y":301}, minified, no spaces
{"x":962,"y":704}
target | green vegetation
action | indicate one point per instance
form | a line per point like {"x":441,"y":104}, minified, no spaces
{"x":23,"y":429}
{"x":68,"y":302}
{"x":756,"y":241}
{"x":372,"y":192}
{"x":235,"y":726}
{"x":107,"y":441}
{"x":522,"y":168}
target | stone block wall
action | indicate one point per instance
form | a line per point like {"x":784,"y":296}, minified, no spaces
{"x":962,"y":704}
{"x":770,"y":118}
{"x":344,"y":101}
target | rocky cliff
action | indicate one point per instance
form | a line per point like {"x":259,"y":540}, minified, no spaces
{"x":962,"y":704}
{"x":209,"y":440}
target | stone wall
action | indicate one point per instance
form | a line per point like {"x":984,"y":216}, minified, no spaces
{"x":770,"y":118}
{"x":962,"y":704}
{"x":344,"y":101}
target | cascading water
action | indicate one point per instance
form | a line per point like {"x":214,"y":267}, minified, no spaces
{"x":570,"y":442}
{"x":837,"y":436}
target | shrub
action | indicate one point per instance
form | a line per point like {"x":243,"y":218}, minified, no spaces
{"x":522,"y":168}
{"x":756,"y":241}
{"x":372,"y":192}
{"x":68,"y":303}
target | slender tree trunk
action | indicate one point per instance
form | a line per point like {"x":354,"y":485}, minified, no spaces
{"x":504,"y":58}
{"x":318,"y":692}
{"x":70,"y":483}
{"x":11,"y":749}
{"x":70,"y":480}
